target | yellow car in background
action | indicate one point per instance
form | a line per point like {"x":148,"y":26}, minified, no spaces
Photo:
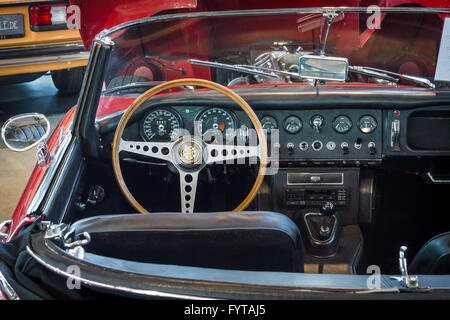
{"x":34,"y":39}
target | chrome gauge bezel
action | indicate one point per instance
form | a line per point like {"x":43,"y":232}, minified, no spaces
{"x":233,"y":116}
{"x":350,"y":121}
{"x":373,"y":118}
{"x":293,"y":116}
{"x":273,"y":120}
{"x":147,"y":114}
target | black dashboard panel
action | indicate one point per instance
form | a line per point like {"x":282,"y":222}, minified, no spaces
{"x":308,"y":143}
{"x":389,"y":106}
{"x":326,"y":143}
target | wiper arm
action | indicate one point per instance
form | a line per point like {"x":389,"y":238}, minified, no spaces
{"x":388,"y":75}
{"x":371,"y":73}
{"x":285,"y":73}
{"x":132,"y":85}
{"x":237,"y":68}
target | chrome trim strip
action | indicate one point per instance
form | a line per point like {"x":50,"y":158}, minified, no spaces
{"x":15,"y":62}
{"x":243,"y":13}
{"x":93,"y":83}
{"x":49,"y":174}
{"x":76,"y":46}
{"x":7,"y":289}
{"x":313,"y":174}
{"x":112,"y":287}
{"x":437,"y":181}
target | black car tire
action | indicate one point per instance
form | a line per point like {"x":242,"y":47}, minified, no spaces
{"x":68,"y":81}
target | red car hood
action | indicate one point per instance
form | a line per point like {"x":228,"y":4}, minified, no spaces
{"x":97,"y":15}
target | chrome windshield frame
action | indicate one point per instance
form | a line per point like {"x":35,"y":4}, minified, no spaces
{"x":244,"y":13}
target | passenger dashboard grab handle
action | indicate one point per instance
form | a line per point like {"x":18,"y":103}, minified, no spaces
{"x":395,"y":135}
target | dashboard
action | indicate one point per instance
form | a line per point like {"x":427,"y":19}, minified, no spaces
{"x":323,"y":126}
{"x":316,"y":135}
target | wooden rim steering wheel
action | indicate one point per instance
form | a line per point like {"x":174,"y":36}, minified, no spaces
{"x":189,"y":154}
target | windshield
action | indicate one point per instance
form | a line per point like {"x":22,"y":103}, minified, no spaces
{"x":264,"y":49}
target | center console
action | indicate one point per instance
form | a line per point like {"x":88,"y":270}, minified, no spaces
{"x":324,"y":203}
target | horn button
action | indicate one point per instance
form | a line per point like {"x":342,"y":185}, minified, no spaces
{"x":189,"y":153}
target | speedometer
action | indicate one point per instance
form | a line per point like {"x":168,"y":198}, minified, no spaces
{"x":161,"y":125}
{"x":216,"y":121}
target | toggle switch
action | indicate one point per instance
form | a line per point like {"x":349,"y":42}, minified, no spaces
{"x":344,"y":147}
{"x":290,"y":148}
{"x":372,"y":148}
{"x":358,"y":143}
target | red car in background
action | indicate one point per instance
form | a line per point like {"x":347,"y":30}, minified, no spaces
{"x":349,"y":85}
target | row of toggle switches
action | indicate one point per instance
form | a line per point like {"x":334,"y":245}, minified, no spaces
{"x":331,"y":145}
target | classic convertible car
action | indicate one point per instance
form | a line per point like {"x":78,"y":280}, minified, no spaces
{"x":263,"y":153}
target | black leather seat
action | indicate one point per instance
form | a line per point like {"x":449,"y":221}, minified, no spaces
{"x":433,"y":257}
{"x":256,"y":241}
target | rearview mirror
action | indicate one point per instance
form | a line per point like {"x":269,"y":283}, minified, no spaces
{"x":323,"y":68}
{"x":23,"y":132}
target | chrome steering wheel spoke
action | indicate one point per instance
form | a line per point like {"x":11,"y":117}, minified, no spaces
{"x":188,"y":187}
{"x":230,"y":154}
{"x":158,"y":150}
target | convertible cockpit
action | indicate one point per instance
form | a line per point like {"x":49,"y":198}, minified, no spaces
{"x":352,"y":186}
{"x":282,"y":142}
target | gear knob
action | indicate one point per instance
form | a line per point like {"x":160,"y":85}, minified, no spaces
{"x":328,"y":209}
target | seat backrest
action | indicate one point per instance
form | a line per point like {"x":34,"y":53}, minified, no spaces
{"x":255,"y":241}
{"x":433,"y":257}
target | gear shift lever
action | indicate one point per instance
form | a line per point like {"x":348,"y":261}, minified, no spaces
{"x":327,"y":210}
{"x":322,"y":230}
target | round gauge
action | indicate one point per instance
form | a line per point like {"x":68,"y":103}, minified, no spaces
{"x":367,"y":124}
{"x":342,"y":124}
{"x":269,"y":123}
{"x":216,"y":120}
{"x":161,"y":125}
{"x":292,"y":124}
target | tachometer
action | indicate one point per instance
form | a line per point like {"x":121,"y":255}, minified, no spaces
{"x":161,"y":125}
{"x":216,"y":121}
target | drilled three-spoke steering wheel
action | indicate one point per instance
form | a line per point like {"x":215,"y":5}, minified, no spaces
{"x":189,"y":154}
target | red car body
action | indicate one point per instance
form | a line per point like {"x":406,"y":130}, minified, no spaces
{"x":97,"y":15}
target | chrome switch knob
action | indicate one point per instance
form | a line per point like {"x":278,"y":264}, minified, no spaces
{"x":290,"y":148}
{"x":317,"y":122}
{"x":372,"y":149}
{"x":328,"y":209}
{"x":344,"y":147}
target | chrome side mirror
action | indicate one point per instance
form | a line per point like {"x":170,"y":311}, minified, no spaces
{"x":25,"y":131}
